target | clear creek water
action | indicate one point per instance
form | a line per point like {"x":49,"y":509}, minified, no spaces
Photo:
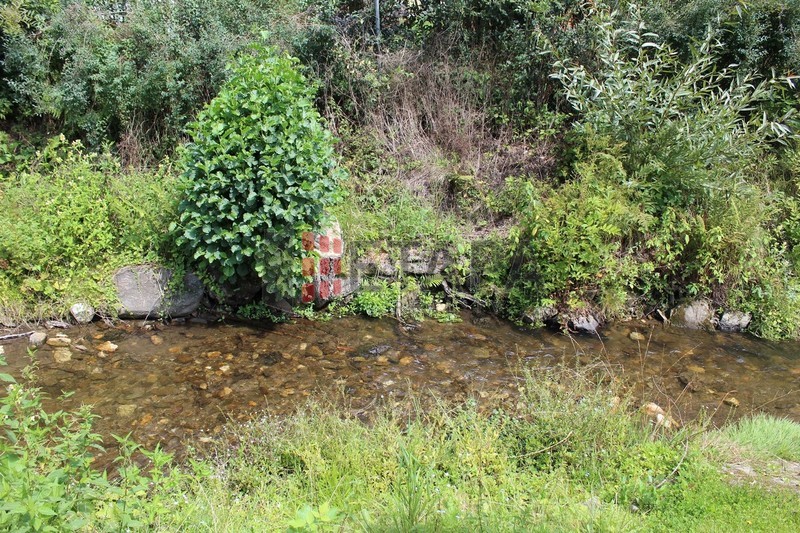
{"x":174,"y":384}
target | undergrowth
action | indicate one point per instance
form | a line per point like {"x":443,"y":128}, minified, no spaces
{"x":569,"y":455}
{"x":68,"y":219}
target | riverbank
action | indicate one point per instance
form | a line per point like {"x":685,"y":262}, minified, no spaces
{"x":571,"y":451}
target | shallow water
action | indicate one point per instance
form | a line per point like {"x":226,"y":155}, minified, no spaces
{"x":171,"y":384}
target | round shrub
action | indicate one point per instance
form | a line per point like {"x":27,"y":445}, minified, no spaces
{"x":259,"y":171}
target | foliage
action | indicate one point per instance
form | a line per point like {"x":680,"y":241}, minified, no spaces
{"x":572,"y":244}
{"x":759,"y":35}
{"x":664,"y":198}
{"x":68,"y":219}
{"x":260,"y":171}
{"x":766,"y":436}
{"x":260,"y":311}
{"x":47,"y":482}
{"x":380,"y":300}
{"x":130,"y":72}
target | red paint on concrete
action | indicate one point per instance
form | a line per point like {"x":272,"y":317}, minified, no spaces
{"x":337,"y":287}
{"x":324,"y":289}
{"x":337,"y":266}
{"x":337,"y":245}
{"x":324,"y":267}
{"x":308,"y":293}
{"x":308,"y":241}
{"x":308,"y":266}
{"x":324,"y":244}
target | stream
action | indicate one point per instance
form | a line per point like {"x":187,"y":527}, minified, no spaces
{"x":180,"y":383}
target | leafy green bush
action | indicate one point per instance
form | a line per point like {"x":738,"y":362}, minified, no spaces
{"x":128,"y":72}
{"x":259,"y":171}
{"x":70,"y":219}
{"x":760,"y":35}
{"x":379,"y":300}
{"x":573,"y":241}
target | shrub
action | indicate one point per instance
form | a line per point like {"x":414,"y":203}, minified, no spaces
{"x":686,"y":211}
{"x":259,"y":171}
{"x":128,"y":72}
{"x":576,"y":239}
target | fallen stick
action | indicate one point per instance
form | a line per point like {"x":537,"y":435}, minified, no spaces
{"x":14,"y":336}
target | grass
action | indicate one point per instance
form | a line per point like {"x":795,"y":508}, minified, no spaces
{"x":766,"y":436}
{"x":567,"y":456}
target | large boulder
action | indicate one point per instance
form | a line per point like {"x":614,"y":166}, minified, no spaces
{"x":698,"y":314}
{"x":147,"y":291}
{"x":734,"y":321}
{"x":584,"y":323}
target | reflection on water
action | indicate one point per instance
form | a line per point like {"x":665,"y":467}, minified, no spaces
{"x":171,"y":383}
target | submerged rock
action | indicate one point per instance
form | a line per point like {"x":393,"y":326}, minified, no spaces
{"x":107,"y":347}
{"x":731,"y":401}
{"x":62,"y":355}
{"x":734,"y":321}
{"x":59,"y":341}
{"x":636,"y":336}
{"x":37,"y":338}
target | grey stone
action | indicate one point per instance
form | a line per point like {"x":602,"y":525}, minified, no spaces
{"x":414,"y":260}
{"x":586,"y":323}
{"x":541,"y":315}
{"x":82,"y":313}
{"x":734,"y":321}
{"x":37,"y":338}
{"x":694,"y":315}
{"x":419,"y":261}
{"x":144,"y":291}
{"x":376,"y":263}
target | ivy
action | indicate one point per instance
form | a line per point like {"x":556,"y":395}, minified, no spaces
{"x":259,"y":171}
